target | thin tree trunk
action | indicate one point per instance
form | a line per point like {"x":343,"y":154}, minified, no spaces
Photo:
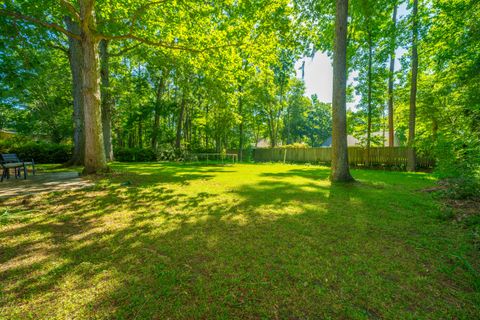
{"x":158,"y":103}
{"x":206,"y":129}
{"x":273,"y":138}
{"x":186,"y":127}
{"x":75,"y":60}
{"x":411,"y":159}
{"x":391,"y":131}
{"x":120,"y":138}
{"x":434,"y":129}
{"x":369,"y":111}
{"x":131,"y":138}
{"x":140,"y":132}
{"x":94,"y":148}
{"x":240,"y":141}
{"x":107,"y":100}
{"x":340,"y":170}
{"x":178,"y":140}
{"x":383,"y":126}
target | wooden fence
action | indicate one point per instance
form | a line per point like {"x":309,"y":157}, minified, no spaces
{"x":357,"y":156}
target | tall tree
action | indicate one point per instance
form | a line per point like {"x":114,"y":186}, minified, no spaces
{"x":95,"y":158}
{"x":411,"y":157}
{"x":143,"y":26}
{"x":75,"y":60}
{"x":340,"y":170}
{"x":391,"y":131}
{"x":107,"y":99}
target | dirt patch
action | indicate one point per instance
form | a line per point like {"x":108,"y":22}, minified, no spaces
{"x":464,"y":208}
{"x":44,"y":182}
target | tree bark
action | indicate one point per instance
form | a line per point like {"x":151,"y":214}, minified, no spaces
{"x":95,"y":160}
{"x":75,"y":61}
{"x":340,"y":169}
{"x":411,"y":158}
{"x":107,"y":100}
{"x":391,"y":131}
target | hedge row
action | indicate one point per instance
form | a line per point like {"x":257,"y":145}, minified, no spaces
{"x":41,"y":152}
{"x":135,"y":155}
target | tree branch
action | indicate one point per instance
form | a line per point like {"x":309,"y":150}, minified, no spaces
{"x":121,"y":52}
{"x":67,"y":5}
{"x":54,"y":26}
{"x":141,"y":10}
{"x":86,"y":12}
{"x":58,"y":47}
{"x":167,"y":45}
{"x":147,"y":41}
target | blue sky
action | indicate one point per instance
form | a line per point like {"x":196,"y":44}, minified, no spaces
{"x":319,"y":73}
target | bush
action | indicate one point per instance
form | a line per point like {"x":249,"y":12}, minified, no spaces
{"x":296,"y":145}
{"x":135,"y":155}
{"x":41,"y":152}
{"x":165,"y":153}
{"x":458,"y":165}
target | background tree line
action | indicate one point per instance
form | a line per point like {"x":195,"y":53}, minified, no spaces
{"x":200,"y":76}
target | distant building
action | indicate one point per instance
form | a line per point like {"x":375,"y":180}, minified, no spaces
{"x":354,"y":142}
{"x":264,"y":143}
{"x":351,"y":142}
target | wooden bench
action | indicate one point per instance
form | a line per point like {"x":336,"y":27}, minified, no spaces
{"x":11,"y":160}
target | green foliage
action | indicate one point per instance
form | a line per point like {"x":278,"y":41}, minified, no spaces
{"x":165,"y":152}
{"x":39,"y":151}
{"x":135,"y":155}
{"x":296,"y":145}
{"x":36,"y":84}
{"x":458,"y":163}
{"x":168,"y":153}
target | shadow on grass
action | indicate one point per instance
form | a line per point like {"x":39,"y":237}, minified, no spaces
{"x":284,"y":245}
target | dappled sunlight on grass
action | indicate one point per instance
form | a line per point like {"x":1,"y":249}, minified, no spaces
{"x":245,"y":241}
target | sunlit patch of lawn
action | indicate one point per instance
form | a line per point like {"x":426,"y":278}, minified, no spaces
{"x":187,"y":241}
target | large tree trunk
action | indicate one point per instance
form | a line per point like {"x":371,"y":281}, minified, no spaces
{"x":391,"y":131}
{"x":340,"y":170}
{"x":75,"y":60}
{"x":107,"y":100}
{"x":411,"y":158}
{"x":95,"y":160}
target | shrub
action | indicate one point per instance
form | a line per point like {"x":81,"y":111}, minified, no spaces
{"x":458,"y":165}
{"x":296,"y":145}
{"x":135,"y":155}
{"x":41,"y":152}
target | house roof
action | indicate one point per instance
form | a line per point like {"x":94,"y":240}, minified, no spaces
{"x":352,"y":141}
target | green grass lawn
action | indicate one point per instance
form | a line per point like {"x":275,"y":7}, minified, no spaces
{"x":270,"y":241}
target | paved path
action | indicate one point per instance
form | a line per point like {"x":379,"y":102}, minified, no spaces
{"x":42,"y":182}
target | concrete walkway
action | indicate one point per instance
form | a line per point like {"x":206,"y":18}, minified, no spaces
{"x":42,"y":182}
